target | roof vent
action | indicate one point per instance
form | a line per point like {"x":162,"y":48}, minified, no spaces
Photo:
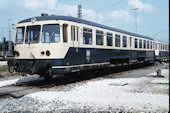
{"x":44,"y":14}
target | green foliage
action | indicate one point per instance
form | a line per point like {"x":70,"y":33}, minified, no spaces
{"x":6,"y":46}
{"x":3,"y":69}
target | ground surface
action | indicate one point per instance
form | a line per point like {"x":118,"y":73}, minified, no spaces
{"x":135,"y":91}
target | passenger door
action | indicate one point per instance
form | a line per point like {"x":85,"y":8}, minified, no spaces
{"x":75,"y":36}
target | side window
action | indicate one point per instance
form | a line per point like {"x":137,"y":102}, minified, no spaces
{"x":124,"y":41}
{"x":150,"y":44}
{"x":147,"y":44}
{"x":136,"y":43}
{"x":159,"y":46}
{"x":109,"y":39}
{"x":87,"y":36}
{"x":130,"y":41}
{"x":144,"y":44}
{"x":65,"y":33}
{"x":168,"y":47}
{"x":140,"y":43}
{"x":20,"y":35}
{"x":164,"y":46}
{"x":99,"y":37}
{"x":117,"y":40}
{"x":72,"y":33}
{"x":51,"y":33}
{"x":154,"y":45}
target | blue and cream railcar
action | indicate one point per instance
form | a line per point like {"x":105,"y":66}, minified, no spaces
{"x":161,"y":51}
{"x":49,"y":45}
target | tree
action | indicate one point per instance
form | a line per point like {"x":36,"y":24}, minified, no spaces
{"x":6,"y":46}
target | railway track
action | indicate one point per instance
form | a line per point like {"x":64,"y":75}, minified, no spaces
{"x":21,"y":89}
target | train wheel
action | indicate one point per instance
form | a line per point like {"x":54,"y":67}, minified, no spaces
{"x":48,"y":75}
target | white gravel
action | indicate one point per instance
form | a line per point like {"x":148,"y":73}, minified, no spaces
{"x":3,"y":63}
{"x":102,"y":94}
{"x":8,"y":82}
{"x":133,"y":94}
{"x":19,"y":80}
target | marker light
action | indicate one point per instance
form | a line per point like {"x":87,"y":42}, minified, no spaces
{"x":17,"y":53}
{"x":48,"y":53}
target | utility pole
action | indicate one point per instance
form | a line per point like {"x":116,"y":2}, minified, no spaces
{"x":9,"y":42}
{"x":135,"y":9}
{"x":3,"y":47}
{"x":79,"y":12}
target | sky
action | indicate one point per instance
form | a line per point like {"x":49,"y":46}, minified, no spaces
{"x":152,"y":15}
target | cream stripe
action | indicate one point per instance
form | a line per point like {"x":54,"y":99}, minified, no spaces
{"x":80,"y":65}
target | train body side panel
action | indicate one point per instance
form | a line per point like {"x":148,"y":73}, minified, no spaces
{"x":82,"y":58}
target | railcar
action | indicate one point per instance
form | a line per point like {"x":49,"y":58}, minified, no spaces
{"x":48,"y":45}
{"x":161,"y":51}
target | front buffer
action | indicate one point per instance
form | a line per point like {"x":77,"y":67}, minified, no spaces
{"x":32,"y":66}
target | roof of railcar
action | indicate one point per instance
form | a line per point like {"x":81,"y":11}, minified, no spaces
{"x":69,"y":18}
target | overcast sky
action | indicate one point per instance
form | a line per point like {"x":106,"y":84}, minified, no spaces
{"x":152,"y":15}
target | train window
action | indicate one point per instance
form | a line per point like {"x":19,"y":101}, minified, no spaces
{"x":20,"y":35}
{"x":136,"y":43}
{"x":65,"y":35}
{"x":51,"y":33}
{"x":168,"y":47}
{"x":109,"y":39}
{"x":156,"y":46}
{"x":77,"y":28}
{"x":72,"y":32}
{"x":144,"y":44}
{"x":130,"y":41}
{"x":150,"y":44}
{"x":153,"y":44}
{"x":117,"y":40}
{"x":87,"y":36}
{"x":124,"y":41}
{"x":147,"y":44}
{"x":99,"y":37}
{"x":140,"y":43}
{"x":164,"y":47}
{"x":33,"y":34}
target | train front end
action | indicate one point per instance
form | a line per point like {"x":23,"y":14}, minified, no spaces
{"x":37,"y":44}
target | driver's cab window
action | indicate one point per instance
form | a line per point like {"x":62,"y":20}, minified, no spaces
{"x":51,"y":33}
{"x":20,"y":35}
{"x":33,"y":34}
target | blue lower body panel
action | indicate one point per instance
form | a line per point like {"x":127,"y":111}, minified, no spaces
{"x":81,"y":59}
{"x":76,"y":60}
